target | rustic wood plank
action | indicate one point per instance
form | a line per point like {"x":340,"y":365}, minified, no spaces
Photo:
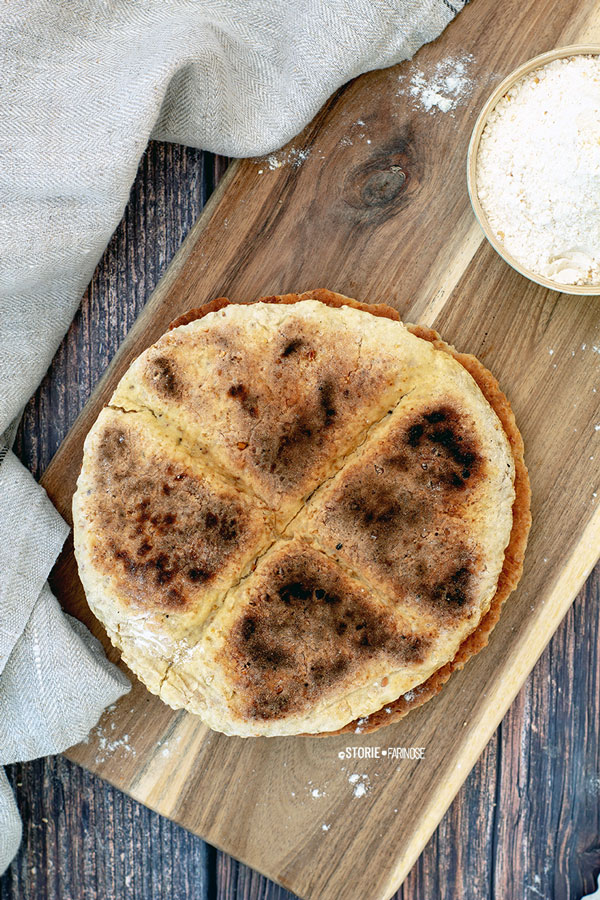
{"x":464,"y":868}
{"x":85,"y":839}
{"x":532,"y":831}
{"x":82,"y":837}
{"x":367,"y":228}
{"x":336,"y":219}
{"x":549,"y":769}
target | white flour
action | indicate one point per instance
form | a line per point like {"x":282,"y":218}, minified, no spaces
{"x":442,"y":89}
{"x":292,"y":157}
{"x":538,"y":170}
{"x":360,"y":784}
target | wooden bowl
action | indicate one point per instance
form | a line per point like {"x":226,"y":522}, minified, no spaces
{"x":503,"y":87}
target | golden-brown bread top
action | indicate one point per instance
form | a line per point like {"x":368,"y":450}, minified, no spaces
{"x":417,"y":508}
{"x":299,"y":640}
{"x":276,"y":397}
{"x":159,"y":536}
{"x":322,"y":295}
{"x":514,"y":554}
{"x":515,"y":551}
{"x":308,"y":626}
{"x":437,"y":598}
{"x":163,"y":520}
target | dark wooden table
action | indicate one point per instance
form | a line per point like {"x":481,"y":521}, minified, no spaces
{"x":526,"y":824}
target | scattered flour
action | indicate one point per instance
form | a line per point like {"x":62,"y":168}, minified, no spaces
{"x":594,"y":784}
{"x":533,"y":888}
{"x":360,"y":784}
{"x":105,"y":744}
{"x":444,"y":88}
{"x":358,"y":132}
{"x":315,"y":792}
{"x":538,"y":170}
{"x":292,"y":157}
{"x":107,"y":747}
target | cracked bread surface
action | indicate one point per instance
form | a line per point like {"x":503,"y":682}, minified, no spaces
{"x":340,"y":528}
{"x":140,"y":504}
{"x":275,"y":393}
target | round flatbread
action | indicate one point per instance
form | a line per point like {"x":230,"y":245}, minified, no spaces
{"x":300,"y":515}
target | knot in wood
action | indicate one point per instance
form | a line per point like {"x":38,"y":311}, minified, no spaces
{"x":383,"y":186}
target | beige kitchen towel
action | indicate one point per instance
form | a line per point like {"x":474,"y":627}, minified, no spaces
{"x":83,"y":85}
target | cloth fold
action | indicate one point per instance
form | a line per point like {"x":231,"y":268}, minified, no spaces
{"x":85,"y":84}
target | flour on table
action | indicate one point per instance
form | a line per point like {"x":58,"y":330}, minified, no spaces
{"x":538,"y":170}
{"x":315,"y":792}
{"x":107,"y":747}
{"x":358,"y":132}
{"x":361,"y":784}
{"x":444,"y":87}
{"x":106,"y":742}
{"x":294,"y":157}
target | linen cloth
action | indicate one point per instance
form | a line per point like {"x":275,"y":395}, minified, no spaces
{"x":83,"y":85}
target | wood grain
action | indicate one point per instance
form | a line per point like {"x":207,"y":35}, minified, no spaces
{"x":369,"y":229}
{"x":529,"y":810}
{"x":434,"y":303}
{"x":82,"y":838}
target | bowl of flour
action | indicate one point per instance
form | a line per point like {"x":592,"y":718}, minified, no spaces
{"x":533,"y":169}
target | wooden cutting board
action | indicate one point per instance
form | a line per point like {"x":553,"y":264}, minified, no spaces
{"x":371,"y":201}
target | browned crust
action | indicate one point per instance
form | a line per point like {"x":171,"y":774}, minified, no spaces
{"x":515,"y":551}
{"x":192,"y":314}
{"x":513,"y":555}
{"x":321,"y":294}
